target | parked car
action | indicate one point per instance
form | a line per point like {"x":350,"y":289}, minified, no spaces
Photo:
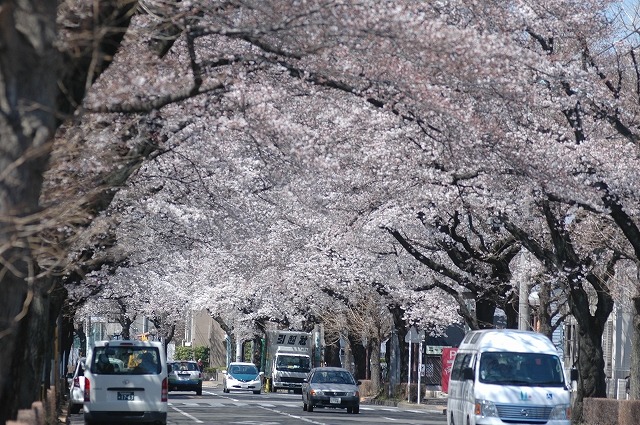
{"x":330,"y":387}
{"x":241,"y":376}
{"x":126,"y":381}
{"x":185,"y":375}
{"x":76,"y":387}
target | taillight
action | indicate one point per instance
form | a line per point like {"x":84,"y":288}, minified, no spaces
{"x":87,"y":390}
{"x":165,"y":390}
{"x":76,"y":382}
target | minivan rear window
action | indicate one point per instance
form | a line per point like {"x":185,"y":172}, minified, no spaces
{"x":126,"y":360}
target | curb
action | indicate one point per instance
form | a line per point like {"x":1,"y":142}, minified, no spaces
{"x":437,"y":408}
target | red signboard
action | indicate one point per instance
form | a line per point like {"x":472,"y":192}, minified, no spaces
{"x":448,"y":355}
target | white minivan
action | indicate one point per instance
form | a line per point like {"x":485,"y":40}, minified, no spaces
{"x":126,"y":381}
{"x":505,"y":376}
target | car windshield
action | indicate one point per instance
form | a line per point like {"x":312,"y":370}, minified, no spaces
{"x":332,"y":377}
{"x":243,"y":370}
{"x":504,"y":368}
{"x":126,"y":360}
{"x":293,"y":363}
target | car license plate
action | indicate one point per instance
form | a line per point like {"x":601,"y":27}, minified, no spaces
{"x":334,"y":400}
{"x":125,"y":396}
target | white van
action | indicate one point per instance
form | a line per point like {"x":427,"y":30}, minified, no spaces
{"x":126,"y":381}
{"x":505,"y":376}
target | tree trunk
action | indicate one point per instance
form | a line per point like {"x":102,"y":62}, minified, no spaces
{"x":332,"y":355}
{"x":591,"y":379}
{"x":28,"y":79}
{"x":634,"y":374}
{"x":374,"y":360}
{"x":543,"y":316}
{"x":359,"y":355}
{"x":485,"y":312}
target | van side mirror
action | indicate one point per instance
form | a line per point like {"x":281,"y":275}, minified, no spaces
{"x":573,"y":374}
{"x":467,"y":374}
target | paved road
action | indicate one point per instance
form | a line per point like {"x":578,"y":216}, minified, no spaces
{"x":215,"y":407}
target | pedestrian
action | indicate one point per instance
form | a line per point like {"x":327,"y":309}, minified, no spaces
{"x":200,"y":365}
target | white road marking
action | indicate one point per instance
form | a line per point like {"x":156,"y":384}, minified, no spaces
{"x":300,"y":418}
{"x":193,"y":418}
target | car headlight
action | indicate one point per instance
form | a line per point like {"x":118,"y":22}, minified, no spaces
{"x":317,"y":392}
{"x":486,"y":408}
{"x":561,"y":411}
{"x":351,"y":394}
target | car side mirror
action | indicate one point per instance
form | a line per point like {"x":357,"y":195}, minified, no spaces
{"x":358,"y":382}
{"x":573,"y":374}
{"x":305,"y":380}
{"x":261,"y":374}
{"x":467,"y":374}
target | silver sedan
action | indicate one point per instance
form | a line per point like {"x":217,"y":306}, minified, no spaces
{"x":331,"y":387}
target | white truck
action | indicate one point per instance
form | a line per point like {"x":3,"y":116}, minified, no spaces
{"x":289,"y":358}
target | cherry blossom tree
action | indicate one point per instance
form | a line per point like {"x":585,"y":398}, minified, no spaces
{"x":288,"y":125}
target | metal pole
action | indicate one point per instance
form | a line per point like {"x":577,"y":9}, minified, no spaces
{"x":419,"y":368}
{"x":409,"y":375}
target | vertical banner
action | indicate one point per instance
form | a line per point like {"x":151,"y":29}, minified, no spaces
{"x":448,"y":355}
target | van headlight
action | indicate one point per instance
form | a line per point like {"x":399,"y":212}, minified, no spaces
{"x":486,"y":408}
{"x":561,"y":411}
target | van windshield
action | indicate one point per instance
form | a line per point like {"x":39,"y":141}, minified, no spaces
{"x":126,"y":361}
{"x":504,"y":368}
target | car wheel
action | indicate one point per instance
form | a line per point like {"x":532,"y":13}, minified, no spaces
{"x":310,"y":408}
{"x":304,"y":407}
{"x":256,"y":392}
{"x":349,"y":410}
{"x":199,"y":390}
{"x":356,"y":410}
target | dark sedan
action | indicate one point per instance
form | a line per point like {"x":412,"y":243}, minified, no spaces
{"x":330,"y":387}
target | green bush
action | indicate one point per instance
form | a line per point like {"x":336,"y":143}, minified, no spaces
{"x":183,"y":353}
{"x":192,"y":353}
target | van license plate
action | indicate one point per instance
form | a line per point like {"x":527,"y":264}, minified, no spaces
{"x":125,"y":396}
{"x":334,"y":400}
